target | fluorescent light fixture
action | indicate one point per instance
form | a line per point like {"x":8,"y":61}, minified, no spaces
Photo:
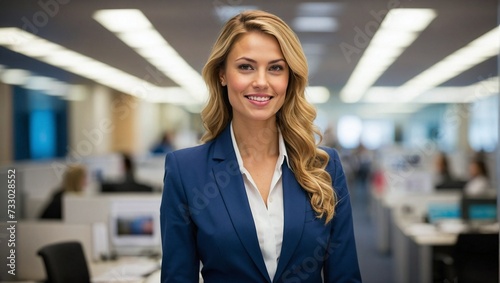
{"x":37,"y":48}
{"x":26,"y":43}
{"x":14,"y":38}
{"x":39,"y":83}
{"x":484,"y":88}
{"x":314,"y":48}
{"x":57,"y":88}
{"x":153,"y":52}
{"x":408,"y":20}
{"x":141,"y":38}
{"x":380,"y":95}
{"x":369,"y":110}
{"x":320,"y":9}
{"x":149,"y":43}
{"x":76,"y":93}
{"x":226,"y":12}
{"x":175,"y":95}
{"x":475,"y":52}
{"x":48,"y":85}
{"x":125,"y":21}
{"x":317,"y":94}
{"x":398,"y":30}
{"x":28,"y":80}
{"x":62,"y":57}
{"x":15,"y":76}
{"x":391,"y":95}
{"x":391,"y":108}
{"x":465,"y":94}
{"x":315,"y":24}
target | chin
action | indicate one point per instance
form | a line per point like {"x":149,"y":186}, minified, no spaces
{"x":263,"y":118}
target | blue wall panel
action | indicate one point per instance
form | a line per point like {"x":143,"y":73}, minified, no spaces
{"x":40,"y":125}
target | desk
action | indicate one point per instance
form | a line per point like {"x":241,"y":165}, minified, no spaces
{"x":154,"y":278}
{"x":126,"y":269}
{"x":399,"y":217}
{"x":416,"y":244}
{"x":413,"y":246}
{"x":384,"y":205}
{"x":108,"y":271}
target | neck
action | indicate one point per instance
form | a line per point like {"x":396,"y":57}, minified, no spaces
{"x":256,"y":139}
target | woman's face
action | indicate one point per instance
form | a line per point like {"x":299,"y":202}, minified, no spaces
{"x":256,"y":76}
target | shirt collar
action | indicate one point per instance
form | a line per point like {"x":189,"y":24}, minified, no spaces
{"x":281,"y":147}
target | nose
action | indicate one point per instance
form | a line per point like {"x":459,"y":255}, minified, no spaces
{"x":260,"y":80}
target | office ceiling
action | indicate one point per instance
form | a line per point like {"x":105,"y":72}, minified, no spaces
{"x":192,"y":26}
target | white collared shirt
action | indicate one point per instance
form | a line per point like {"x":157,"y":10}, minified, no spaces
{"x":268,"y":220}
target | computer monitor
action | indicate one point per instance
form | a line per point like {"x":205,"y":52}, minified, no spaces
{"x":442,"y":210}
{"x":479,"y":209}
{"x":134,"y":226}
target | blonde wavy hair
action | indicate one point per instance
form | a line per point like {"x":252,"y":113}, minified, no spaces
{"x":294,"y":119}
{"x":74,"y":178}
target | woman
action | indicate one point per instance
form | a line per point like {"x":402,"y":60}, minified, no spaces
{"x":259,"y":201}
{"x":479,"y":183}
{"x":442,"y":177}
{"x":74,"y":181}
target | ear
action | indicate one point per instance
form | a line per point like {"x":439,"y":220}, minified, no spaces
{"x":222,"y":77}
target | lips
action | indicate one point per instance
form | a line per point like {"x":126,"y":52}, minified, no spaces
{"x":258,"y":98}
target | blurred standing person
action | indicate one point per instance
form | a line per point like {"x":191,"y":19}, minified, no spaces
{"x":362,"y":169}
{"x":165,"y":145}
{"x":259,"y":201}
{"x":330,"y":139}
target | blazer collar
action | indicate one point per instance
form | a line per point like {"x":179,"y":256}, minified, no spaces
{"x":294,"y":205}
{"x":232,"y":189}
{"x":223,"y":146}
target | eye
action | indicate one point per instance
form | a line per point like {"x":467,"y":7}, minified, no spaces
{"x":276,"y":68}
{"x":245,"y":67}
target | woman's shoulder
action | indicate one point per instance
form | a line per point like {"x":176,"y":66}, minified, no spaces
{"x":334,"y":166}
{"x":333,"y":154}
{"x":336,"y":171}
{"x":191,"y":154}
{"x":191,"y":150}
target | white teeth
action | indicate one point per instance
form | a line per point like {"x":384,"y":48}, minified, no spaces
{"x":259,"y":98}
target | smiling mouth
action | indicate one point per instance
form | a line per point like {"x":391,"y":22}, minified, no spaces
{"x":259,"y":98}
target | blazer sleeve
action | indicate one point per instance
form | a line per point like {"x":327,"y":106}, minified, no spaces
{"x":341,"y":264}
{"x":180,"y":262}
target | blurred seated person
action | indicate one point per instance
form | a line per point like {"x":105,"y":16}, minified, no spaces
{"x":74,"y":181}
{"x":129,"y":184}
{"x":479,"y":183}
{"x":443,"y":178}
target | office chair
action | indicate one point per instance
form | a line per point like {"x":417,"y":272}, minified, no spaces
{"x":476,"y":258}
{"x":65,"y":262}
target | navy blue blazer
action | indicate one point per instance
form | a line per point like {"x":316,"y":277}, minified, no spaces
{"x":205,"y":216}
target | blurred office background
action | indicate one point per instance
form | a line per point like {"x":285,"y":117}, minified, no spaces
{"x":396,"y":84}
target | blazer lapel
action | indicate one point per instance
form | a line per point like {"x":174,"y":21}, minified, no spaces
{"x":230,"y":183}
{"x":294,"y":202}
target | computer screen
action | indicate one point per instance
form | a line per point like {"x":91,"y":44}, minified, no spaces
{"x":479,"y":209}
{"x":438,"y":211}
{"x":134,"y":226}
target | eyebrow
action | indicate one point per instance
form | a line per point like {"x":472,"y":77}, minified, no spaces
{"x":253,"y":61}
